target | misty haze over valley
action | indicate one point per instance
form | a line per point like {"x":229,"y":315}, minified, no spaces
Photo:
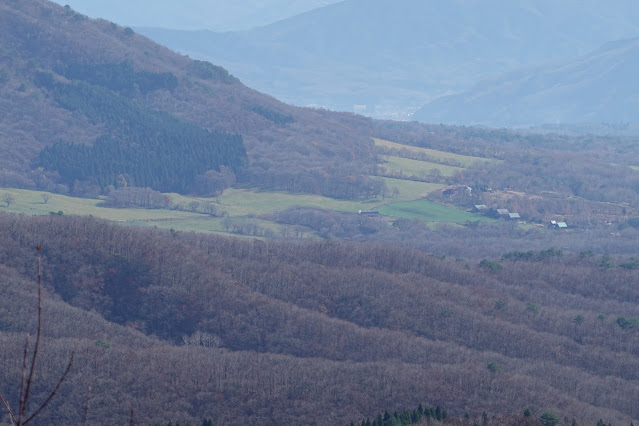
{"x":387,"y":61}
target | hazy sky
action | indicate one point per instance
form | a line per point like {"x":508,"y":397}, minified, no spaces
{"x":216,"y":15}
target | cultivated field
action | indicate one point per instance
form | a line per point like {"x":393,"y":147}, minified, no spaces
{"x":409,"y":190}
{"x":439,"y":156}
{"x":418,"y":168}
{"x":428,"y":211}
{"x":243,"y":202}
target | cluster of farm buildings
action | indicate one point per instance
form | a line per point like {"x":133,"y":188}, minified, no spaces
{"x":504,"y":213}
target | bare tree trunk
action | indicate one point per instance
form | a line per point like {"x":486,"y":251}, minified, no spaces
{"x":27,"y":381}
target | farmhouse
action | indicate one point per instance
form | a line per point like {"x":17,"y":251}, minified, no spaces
{"x":371,"y":213}
{"x":459,"y":190}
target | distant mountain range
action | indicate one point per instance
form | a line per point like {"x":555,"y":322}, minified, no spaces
{"x":194,"y":14}
{"x":598,"y":87}
{"x":387,"y":60}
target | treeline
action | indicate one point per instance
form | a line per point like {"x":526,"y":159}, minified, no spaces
{"x":334,"y":183}
{"x":530,"y":255}
{"x":331,"y":224}
{"x":146,"y":147}
{"x":475,"y":239}
{"x":118,"y":77}
{"x":577,"y":173}
{"x":145,"y":198}
{"x":274,"y":116}
{"x":207,"y":71}
{"x":205,"y":422}
{"x":419,"y":415}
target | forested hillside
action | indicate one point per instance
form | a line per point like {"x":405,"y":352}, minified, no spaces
{"x":142,"y":147}
{"x":82,"y":99}
{"x":186,"y":326}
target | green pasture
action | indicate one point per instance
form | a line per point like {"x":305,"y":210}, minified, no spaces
{"x":31,"y":203}
{"x":445,"y":157}
{"x":252,"y":202}
{"x":243,"y":206}
{"x":410,"y":190}
{"x":418,"y":168}
{"x":428,"y":211}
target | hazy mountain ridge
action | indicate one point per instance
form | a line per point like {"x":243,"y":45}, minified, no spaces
{"x":598,"y":87}
{"x":218,"y":16}
{"x":369,"y":53}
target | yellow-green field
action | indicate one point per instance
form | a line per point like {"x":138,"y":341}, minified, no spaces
{"x":418,"y":168}
{"x":31,"y":202}
{"x":410,"y":190}
{"x":242,"y":206}
{"x":446,"y":157}
{"x":243,"y":202}
{"x":428,"y":211}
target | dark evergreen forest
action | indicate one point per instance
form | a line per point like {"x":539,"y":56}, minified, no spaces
{"x":143,"y":147}
{"x":118,"y":77}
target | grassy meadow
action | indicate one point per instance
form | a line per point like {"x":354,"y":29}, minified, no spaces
{"x":238,"y":207}
{"x":418,"y":168}
{"x":440,"y":156}
{"x":409,"y":190}
{"x":246,"y":202}
{"x":428,"y":211}
{"x":241,"y":206}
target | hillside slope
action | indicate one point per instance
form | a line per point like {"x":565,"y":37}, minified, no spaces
{"x":270,"y":332}
{"x":393,"y":58}
{"x":69,"y":79}
{"x":598,"y":87}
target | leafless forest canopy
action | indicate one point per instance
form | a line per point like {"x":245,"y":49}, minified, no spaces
{"x":187,"y":326}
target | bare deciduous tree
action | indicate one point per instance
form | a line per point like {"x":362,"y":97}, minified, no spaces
{"x":8,"y":199}
{"x":28,"y":369}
